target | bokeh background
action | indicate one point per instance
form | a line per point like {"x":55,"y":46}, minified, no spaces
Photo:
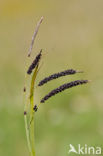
{"x":71,"y":36}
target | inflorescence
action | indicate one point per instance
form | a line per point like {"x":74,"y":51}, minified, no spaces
{"x":62,"y":88}
{"x":52,"y":77}
{"x":57,"y":75}
{"x":34,"y":68}
{"x":35,"y":108}
{"x":35,"y":62}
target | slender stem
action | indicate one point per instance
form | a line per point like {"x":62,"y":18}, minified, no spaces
{"x":27,"y":135}
{"x":32,"y":138}
{"x":30,"y":130}
{"x":26,"y":123}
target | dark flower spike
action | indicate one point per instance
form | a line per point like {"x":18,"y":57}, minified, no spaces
{"x":24,"y":89}
{"x":35,"y":62}
{"x":57,"y":75}
{"x":35,"y":108}
{"x":63,"y":87}
{"x":25,"y":113}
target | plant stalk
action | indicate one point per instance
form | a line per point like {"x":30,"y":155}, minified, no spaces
{"x":32,"y":113}
{"x":32,"y":137}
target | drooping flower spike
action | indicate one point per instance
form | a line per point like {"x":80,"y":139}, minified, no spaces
{"x":57,"y":75}
{"x":62,"y":88}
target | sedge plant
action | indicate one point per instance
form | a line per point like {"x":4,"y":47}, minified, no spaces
{"x":30,"y":108}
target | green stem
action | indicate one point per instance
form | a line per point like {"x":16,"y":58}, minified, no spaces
{"x":32,"y":138}
{"x":26,"y":123}
{"x":27,"y":135}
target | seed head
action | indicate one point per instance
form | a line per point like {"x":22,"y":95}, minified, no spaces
{"x":57,"y":75}
{"x":62,"y":88}
{"x":35,"y":62}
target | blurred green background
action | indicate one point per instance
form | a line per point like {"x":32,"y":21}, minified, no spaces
{"x":71,"y":36}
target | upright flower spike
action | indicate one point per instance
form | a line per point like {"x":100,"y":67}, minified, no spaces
{"x":57,"y":75}
{"x":34,"y":35}
{"x":62,"y":88}
{"x":35,"y":62}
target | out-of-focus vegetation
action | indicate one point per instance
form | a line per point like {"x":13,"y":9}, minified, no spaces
{"x":71,"y":36}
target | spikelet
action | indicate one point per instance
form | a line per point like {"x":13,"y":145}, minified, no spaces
{"x":35,"y":62}
{"x":62,"y":88}
{"x":24,"y":89}
{"x":34,"y":35}
{"x":57,"y":75}
{"x":35,"y":108}
{"x":25,"y":112}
